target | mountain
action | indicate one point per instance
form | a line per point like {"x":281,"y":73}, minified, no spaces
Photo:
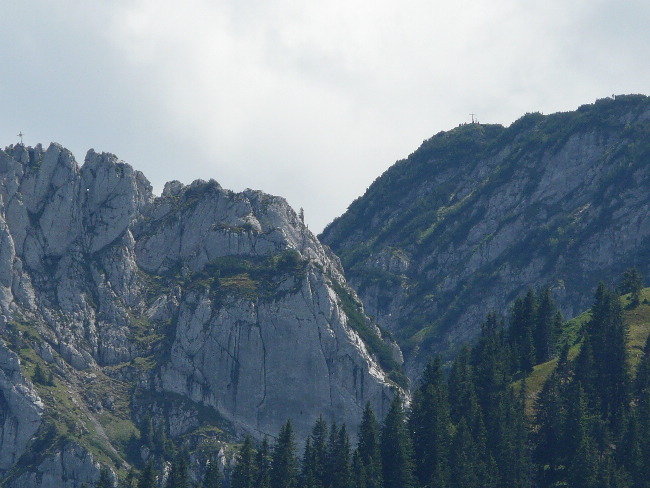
{"x":131,"y":323}
{"x":480,"y":213}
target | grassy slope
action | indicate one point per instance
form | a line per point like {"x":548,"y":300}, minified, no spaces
{"x":638,"y":320}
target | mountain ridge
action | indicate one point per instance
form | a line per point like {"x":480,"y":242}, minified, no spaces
{"x":479,"y":213}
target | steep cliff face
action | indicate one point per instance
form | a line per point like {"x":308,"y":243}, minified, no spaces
{"x":198,"y":306}
{"x":478,"y":214}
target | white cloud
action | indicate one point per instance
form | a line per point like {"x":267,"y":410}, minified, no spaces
{"x":309,"y":100}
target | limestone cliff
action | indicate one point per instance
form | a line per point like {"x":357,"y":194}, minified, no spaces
{"x":208,"y":310}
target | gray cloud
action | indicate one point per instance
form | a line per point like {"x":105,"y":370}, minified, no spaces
{"x":309,"y":100}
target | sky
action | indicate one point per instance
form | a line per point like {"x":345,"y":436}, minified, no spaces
{"x":311,"y":101}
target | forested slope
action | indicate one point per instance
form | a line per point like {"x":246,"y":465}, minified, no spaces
{"x":480,"y":213}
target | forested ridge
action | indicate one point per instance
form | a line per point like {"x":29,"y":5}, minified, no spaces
{"x":479,"y":213}
{"x":533,"y":403}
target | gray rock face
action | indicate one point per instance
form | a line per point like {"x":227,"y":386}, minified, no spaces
{"x":70,"y":467}
{"x":21,"y":409}
{"x":235,"y":357}
{"x":223,"y":299}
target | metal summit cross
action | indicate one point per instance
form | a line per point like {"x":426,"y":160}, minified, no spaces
{"x":20,"y":134}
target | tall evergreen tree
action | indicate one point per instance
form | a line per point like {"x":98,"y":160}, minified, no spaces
{"x":607,"y":334}
{"x":369,"y":449}
{"x":314,"y":471}
{"x":521,"y":331}
{"x":147,"y":477}
{"x":339,"y":468}
{"x":430,"y":425}
{"x":550,"y":417}
{"x":462,"y":395}
{"x":583,"y":464}
{"x":178,"y":476}
{"x":105,"y":480}
{"x":359,"y":478}
{"x":307,"y":476}
{"x":263,"y":465}
{"x":546,"y":322}
{"x":471,"y":466}
{"x":396,"y":449}
{"x":243,"y":474}
{"x":490,"y":367}
{"x":512,"y":456}
{"x":146,"y":431}
{"x":632,"y":283}
{"x":213,"y":476}
{"x":284,"y":465}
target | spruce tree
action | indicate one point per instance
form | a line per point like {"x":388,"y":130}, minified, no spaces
{"x":307,"y":476}
{"x":263,"y":465}
{"x":243,"y":474}
{"x":582,"y":464}
{"x":546,"y":323}
{"x":632,"y":283}
{"x":511,"y":454}
{"x":369,"y":449}
{"x":359,"y":478}
{"x":178,"y":476}
{"x":146,"y":431}
{"x":396,"y":449}
{"x":607,"y":335}
{"x":550,"y":418}
{"x":314,"y":471}
{"x":490,"y":367}
{"x":339,"y":469}
{"x":213,"y":476}
{"x":284,"y":465}
{"x":147,"y":477}
{"x":104,"y":480}
{"x":465,"y":462}
{"x":521,"y":331}
{"x":430,"y":424}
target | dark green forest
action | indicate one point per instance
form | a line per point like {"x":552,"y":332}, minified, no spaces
{"x":489,"y":419}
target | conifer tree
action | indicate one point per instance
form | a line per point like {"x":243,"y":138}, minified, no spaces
{"x":212,"y":477}
{"x":607,"y":335}
{"x":369,"y":449}
{"x":632,"y":283}
{"x":550,"y":417}
{"x":284,"y":465}
{"x":490,"y":365}
{"x":314,"y":471}
{"x":396,"y":449}
{"x":511,"y":455}
{"x":339,"y":468}
{"x":521,"y":331}
{"x":146,"y":431}
{"x":546,"y":322}
{"x":636,"y":452}
{"x":130,"y":480}
{"x":307,"y":476}
{"x":243,"y":474}
{"x":263,"y":465}
{"x":178,"y":476}
{"x":359,"y":479}
{"x":469,"y":469}
{"x":430,"y":424}
{"x":104,"y":480}
{"x":147,"y":477}
{"x":583,"y":465}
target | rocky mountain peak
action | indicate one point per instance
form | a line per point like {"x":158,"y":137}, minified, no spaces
{"x":214,"y":305}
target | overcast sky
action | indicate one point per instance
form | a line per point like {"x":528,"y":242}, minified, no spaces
{"x":308,"y":100}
